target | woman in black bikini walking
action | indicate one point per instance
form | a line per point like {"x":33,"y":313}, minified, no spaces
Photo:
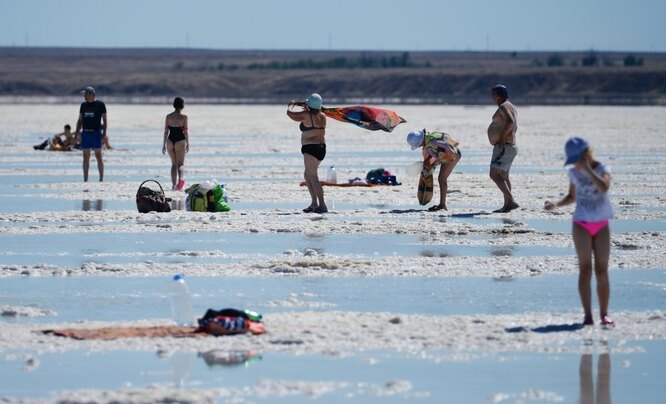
{"x":176,"y":142}
{"x":313,"y":146}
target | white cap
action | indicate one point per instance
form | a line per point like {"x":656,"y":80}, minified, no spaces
{"x":415,"y":139}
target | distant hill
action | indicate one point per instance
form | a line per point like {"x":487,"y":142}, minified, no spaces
{"x":340,"y":76}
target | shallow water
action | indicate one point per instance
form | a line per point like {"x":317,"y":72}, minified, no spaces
{"x":560,"y":226}
{"x":77,"y":249}
{"x":229,"y":144}
{"x":374,"y":376}
{"x":135,"y":298}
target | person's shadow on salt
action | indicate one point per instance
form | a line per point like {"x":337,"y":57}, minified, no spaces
{"x":470,"y":214}
{"x":548,"y":328}
{"x":588,"y":395}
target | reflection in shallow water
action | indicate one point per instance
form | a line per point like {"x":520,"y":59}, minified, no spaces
{"x":177,"y":204}
{"x":181,"y":366}
{"x":588,"y":395}
{"x":218,"y":357}
{"x":505,"y":251}
{"x":431,"y":254}
{"x":182,"y":362}
{"x":509,"y":221}
{"x":87,"y":205}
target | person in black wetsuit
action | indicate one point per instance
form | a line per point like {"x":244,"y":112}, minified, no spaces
{"x":313,"y":146}
{"x":176,"y":142}
{"x":91,"y":129}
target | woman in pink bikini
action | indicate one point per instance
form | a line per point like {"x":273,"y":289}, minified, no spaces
{"x":589,"y":184}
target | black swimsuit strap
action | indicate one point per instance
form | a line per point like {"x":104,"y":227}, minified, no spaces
{"x":312,"y":120}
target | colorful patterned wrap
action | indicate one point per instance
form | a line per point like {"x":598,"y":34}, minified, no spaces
{"x":369,"y":118}
{"x":440,"y":146}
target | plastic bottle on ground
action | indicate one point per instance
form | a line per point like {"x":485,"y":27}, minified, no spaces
{"x":181,"y":301}
{"x":332,"y":175}
{"x":414,"y":169}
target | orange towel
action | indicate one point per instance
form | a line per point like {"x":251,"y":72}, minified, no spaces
{"x":110,"y":333}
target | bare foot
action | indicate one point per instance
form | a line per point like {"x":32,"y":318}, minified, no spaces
{"x":511,"y":207}
{"x":508,"y":208}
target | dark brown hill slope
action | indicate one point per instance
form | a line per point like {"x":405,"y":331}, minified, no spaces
{"x":276,"y":76}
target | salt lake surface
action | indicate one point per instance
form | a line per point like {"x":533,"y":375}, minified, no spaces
{"x":377,"y":301}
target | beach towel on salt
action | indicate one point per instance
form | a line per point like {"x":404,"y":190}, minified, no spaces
{"x":213,"y":323}
{"x":342,"y":184}
{"x":110,"y":333}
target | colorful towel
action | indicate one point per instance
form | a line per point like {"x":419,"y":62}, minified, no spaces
{"x":342,"y":184}
{"x":369,"y":118}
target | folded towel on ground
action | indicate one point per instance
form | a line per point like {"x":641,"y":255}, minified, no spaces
{"x":342,"y":184}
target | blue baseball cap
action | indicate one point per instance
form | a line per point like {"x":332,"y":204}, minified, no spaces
{"x":575,"y":148}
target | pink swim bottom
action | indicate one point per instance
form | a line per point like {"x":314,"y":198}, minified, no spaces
{"x":592,"y":227}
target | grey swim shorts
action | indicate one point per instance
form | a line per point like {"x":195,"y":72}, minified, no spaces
{"x":503,"y":156}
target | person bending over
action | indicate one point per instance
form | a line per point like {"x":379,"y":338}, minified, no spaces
{"x":441,"y":149}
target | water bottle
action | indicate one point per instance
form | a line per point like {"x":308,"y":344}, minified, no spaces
{"x":332,"y":175}
{"x":181,"y":301}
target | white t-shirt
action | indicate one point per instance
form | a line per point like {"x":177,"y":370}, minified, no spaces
{"x":592,"y":205}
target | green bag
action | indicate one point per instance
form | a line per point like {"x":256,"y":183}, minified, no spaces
{"x":220,"y":204}
{"x":198,"y":202}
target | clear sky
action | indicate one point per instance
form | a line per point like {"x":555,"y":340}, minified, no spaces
{"x":496,"y":25}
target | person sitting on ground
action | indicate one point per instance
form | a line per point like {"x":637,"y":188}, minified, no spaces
{"x":438,"y":148}
{"x":105,"y":143}
{"x":64,"y":141}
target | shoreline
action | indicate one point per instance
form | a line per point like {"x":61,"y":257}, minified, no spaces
{"x":472,"y":101}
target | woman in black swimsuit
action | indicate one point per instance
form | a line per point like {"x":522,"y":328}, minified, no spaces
{"x":313,"y":146}
{"x":176,"y":142}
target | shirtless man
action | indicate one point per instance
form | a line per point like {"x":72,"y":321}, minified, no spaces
{"x":502,"y":135}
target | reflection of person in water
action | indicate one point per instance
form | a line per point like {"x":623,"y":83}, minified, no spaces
{"x":86,"y":205}
{"x":229,"y":358}
{"x":587,"y":391}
